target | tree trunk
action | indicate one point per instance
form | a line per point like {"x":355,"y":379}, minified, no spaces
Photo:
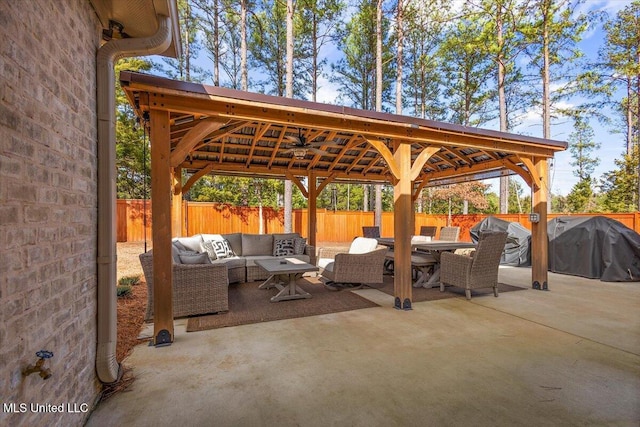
{"x":502,"y":101}
{"x":546,"y":101}
{"x":378,"y":187}
{"x":288,"y":186}
{"x":244,"y":79}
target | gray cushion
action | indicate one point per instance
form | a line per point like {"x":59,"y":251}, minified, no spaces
{"x":285,"y":235}
{"x":195,"y":259}
{"x":257,"y":244}
{"x":299,"y":243}
{"x":232,"y":262}
{"x":235,"y":240}
{"x":283,"y":247}
{"x":191,"y":243}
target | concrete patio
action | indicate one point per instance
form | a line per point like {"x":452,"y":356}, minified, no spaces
{"x":570,"y":356}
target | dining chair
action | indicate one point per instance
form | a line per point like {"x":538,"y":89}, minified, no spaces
{"x":371,"y":231}
{"x":477,"y":271}
{"x":428,"y":230}
{"x":450,"y":233}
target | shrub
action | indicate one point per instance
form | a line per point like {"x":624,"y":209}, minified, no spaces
{"x":129,"y":281}
{"x":123,"y":290}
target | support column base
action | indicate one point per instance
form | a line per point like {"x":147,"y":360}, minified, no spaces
{"x":163,"y":339}
{"x":536,"y":285}
{"x":406,"y":305}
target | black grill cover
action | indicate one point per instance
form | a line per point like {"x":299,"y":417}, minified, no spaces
{"x":516,"y":250}
{"x":596,"y":247}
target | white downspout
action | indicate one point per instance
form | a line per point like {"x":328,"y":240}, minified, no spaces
{"x":106,"y":364}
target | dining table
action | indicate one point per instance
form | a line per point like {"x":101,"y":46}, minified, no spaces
{"x":433,"y":247}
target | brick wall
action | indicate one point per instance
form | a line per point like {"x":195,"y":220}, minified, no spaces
{"x":48,"y":185}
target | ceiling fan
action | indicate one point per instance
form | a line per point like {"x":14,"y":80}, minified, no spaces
{"x":300,"y":146}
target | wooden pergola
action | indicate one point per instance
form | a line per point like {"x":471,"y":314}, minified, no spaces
{"x":212,"y":130}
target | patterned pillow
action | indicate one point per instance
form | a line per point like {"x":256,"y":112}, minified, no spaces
{"x":209,"y":249}
{"x":299,"y":243}
{"x":222,"y":249}
{"x":283,"y":247}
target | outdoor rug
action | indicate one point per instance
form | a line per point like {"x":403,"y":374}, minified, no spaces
{"x":248,"y":304}
{"x":432,"y":294}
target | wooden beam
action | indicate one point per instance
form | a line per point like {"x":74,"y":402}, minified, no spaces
{"x":402,"y":228}
{"x":523,"y":173}
{"x":418,"y":189}
{"x":370,"y":128}
{"x":539,"y":242}
{"x":260,"y":131}
{"x":533,"y":171}
{"x":193,"y":137}
{"x":348,"y":146}
{"x":176,"y":203}
{"x":277,"y":146}
{"x":330,"y":136}
{"x":291,"y":177}
{"x":312,"y":208}
{"x":386,"y":155}
{"x":326,"y":182}
{"x":196,"y":176}
{"x":420,"y":161}
{"x":235,"y":169}
{"x":161,"y":226}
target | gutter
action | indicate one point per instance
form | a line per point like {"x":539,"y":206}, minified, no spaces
{"x":107,"y":366}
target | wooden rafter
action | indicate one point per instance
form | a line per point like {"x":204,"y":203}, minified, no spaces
{"x":193,"y":137}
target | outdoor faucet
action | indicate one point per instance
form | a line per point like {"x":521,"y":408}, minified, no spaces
{"x":45,"y":373}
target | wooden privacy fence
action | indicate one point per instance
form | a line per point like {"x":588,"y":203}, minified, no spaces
{"x":339,"y":226}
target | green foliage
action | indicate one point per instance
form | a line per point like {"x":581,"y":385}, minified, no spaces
{"x":580,"y":199}
{"x":129,"y":280}
{"x":620,"y":186}
{"x":237,"y":191}
{"x":582,"y":145}
{"x":356,"y":71}
{"x":467,"y":72}
{"x":123,"y":291}
{"x":132,"y":169}
{"x":425,"y":24}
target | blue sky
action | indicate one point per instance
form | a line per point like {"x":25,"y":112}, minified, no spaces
{"x":561,"y":174}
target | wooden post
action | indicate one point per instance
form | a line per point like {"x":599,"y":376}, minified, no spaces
{"x":539,"y":241}
{"x":161,"y":235}
{"x":176,"y":203}
{"x":313,"y":219}
{"x":402,"y":228}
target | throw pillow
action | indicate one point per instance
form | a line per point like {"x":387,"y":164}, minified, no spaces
{"x":195,"y":259}
{"x":208,"y":248}
{"x":222,"y":249}
{"x":299,"y":243}
{"x":283,"y":247}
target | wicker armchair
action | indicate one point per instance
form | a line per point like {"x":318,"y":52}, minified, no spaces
{"x":197,"y":288}
{"x":477,"y":271}
{"x":357,"y":266}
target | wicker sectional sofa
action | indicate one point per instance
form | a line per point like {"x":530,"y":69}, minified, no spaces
{"x":205,"y":264}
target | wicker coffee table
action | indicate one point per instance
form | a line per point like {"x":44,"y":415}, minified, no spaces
{"x":286,"y":270}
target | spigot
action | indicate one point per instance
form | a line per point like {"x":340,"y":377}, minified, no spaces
{"x":45,"y":373}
